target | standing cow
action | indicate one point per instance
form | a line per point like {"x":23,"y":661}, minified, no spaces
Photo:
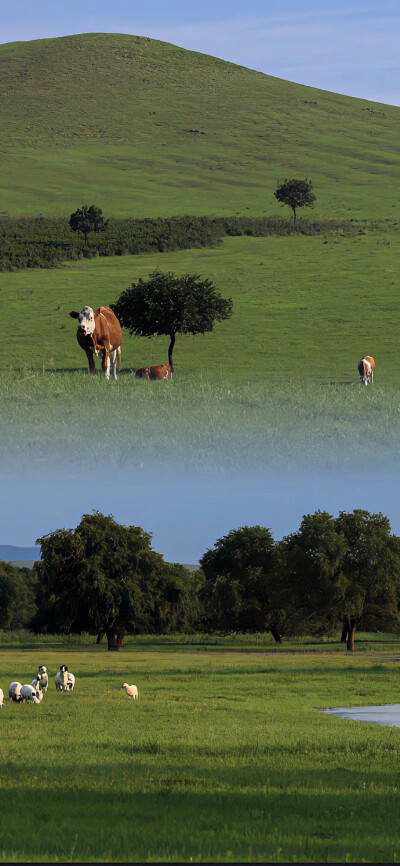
{"x":366,"y":369}
{"x":99,"y":332}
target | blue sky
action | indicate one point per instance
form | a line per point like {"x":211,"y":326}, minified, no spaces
{"x":350,"y":48}
{"x":186,"y":514}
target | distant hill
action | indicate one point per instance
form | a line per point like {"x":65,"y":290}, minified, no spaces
{"x":10,"y":553}
{"x":144,"y":128}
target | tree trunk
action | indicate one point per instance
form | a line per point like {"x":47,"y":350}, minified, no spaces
{"x":112,"y":641}
{"x":351,"y":636}
{"x":100,"y":636}
{"x":294,"y":214}
{"x":170,"y":350}
{"x":345,"y":630}
{"x":275,"y":634}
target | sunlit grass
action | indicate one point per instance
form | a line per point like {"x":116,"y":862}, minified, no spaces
{"x":224,"y":757}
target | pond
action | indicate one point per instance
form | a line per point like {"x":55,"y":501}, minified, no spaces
{"x":388,"y":714}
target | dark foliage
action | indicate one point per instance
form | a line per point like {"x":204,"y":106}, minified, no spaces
{"x":295,"y":193}
{"x":45,"y":242}
{"x":167,"y":304}
{"x":240,"y":577}
{"x":17,"y":596}
{"x":107,"y":577}
{"x":87,"y":219}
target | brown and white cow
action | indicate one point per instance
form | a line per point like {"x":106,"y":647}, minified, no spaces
{"x":160,"y":371}
{"x":366,"y":369}
{"x":99,"y":332}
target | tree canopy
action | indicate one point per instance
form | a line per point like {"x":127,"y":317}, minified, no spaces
{"x":342,"y":571}
{"x":87,"y":219}
{"x":239,"y":581}
{"x":167,"y":304}
{"x":295,"y":193}
{"x":107,"y":577}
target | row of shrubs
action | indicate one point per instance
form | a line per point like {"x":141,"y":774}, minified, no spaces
{"x":45,"y":242}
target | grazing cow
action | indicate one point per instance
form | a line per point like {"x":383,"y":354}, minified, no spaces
{"x":366,"y":369}
{"x":99,"y":331}
{"x":161,"y":371}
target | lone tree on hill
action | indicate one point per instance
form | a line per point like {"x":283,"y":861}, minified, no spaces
{"x":167,"y":305}
{"x":88,"y":219}
{"x":295,"y":193}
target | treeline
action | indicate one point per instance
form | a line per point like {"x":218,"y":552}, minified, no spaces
{"x":45,"y":242}
{"x":333,"y":573}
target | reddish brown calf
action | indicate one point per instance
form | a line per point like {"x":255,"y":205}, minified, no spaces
{"x":160,"y":371}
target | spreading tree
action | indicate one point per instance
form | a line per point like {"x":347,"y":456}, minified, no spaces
{"x":88,"y":219}
{"x":239,"y":580}
{"x":295,"y":193}
{"x":167,"y":304}
{"x":106,"y":577}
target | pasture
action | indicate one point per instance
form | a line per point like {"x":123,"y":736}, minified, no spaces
{"x":225,"y":756}
{"x":282,"y":372}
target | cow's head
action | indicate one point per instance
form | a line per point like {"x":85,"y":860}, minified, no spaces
{"x":86,"y":324}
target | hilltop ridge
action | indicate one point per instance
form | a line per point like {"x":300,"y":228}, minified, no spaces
{"x":128,"y":117}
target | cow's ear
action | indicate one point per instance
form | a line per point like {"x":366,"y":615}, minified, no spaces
{"x":74,"y":314}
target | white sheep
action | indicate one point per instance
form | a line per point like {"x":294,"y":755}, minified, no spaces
{"x":131,"y":691}
{"x":1,"y":698}
{"x":14,"y":692}
{"x":29,"y":693}
{"x":44,"y":677}
{"x":64,"y":680}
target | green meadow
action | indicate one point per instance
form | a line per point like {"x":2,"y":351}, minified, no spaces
{"x":225,"y":757}
{"x":281,"y":372}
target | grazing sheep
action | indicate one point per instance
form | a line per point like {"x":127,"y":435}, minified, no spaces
{"x":44,"y":677}
{"x":14,"y":692}
{"x":29,"y":693}
{"x":1,"y":698}
{"x":131,"y":691}
{"x":64,"y":680}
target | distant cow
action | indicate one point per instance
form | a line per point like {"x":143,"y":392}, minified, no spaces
{"x":99,"y":332}
{"x":161,"y":371}
{"x":366,"y":369}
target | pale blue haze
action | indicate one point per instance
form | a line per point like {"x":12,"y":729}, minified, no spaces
{"x":347,"y":48}
{"x":187,"y":513}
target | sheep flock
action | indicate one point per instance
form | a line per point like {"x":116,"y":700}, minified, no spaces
{"x":64,"y":682}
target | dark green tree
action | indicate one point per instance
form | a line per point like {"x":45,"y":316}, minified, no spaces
{"x":88,"y":219}
{"x":17,"y":596}
{"x":369,"y":587}
{"x":167,"y":305}
{"x":239,"y":581}
{"x":311,"y":561}
{"x":342,"y":571}
{"x":295,"y":193}
{"x":106,"y":577}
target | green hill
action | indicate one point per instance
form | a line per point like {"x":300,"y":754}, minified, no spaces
{"x":144,"y":128}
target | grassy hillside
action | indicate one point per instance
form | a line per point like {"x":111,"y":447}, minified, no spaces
{"x":144,"y":128}
{"x":279,"y":381}
{"x":225,"y":757}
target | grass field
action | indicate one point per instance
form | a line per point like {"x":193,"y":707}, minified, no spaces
{"x":142,"y":128}
{"x":282,"y":372}
{"x":225,"y":757}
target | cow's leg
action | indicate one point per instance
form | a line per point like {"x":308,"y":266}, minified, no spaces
{"x":113,"y":361}
{"x":105,"y":363}
{"x":372,"y":377}
{"x":92,"y":368}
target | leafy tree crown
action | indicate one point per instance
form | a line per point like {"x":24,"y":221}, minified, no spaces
{"x":168,"y":304}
